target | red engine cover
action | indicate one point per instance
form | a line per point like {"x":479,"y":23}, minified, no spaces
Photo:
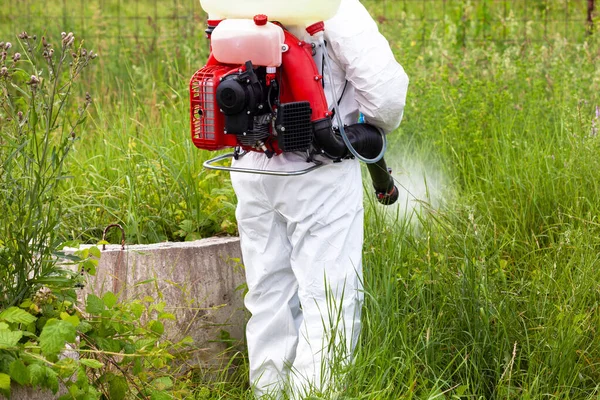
{"x":208,"y":123}
{"x":299,"y":80}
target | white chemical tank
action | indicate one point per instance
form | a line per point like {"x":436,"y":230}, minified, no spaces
{"x":287,"y":12}
{"x":235,"y":41}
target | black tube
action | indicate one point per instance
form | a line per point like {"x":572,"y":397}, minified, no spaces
{"x":365,"y":138}
{"x":383,"y":182}
{"x":367,"y":141}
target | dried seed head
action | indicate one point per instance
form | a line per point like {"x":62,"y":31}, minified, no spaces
{"x":68,"y":39}
{"x":34,"y":80}
{"x":62,"y":35}
{"x":20,"y":116}
{"x":23,"y":35}
{"x":73,"y":134}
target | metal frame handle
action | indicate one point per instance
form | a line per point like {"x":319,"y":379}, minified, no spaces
{"x":210,"y":165}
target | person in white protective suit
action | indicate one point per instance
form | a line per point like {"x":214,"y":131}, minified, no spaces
{"x":302,"y":236}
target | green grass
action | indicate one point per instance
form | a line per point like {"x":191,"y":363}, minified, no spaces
{"x":491,"y":292}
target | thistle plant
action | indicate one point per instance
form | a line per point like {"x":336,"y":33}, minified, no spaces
{"x":40,"y":114}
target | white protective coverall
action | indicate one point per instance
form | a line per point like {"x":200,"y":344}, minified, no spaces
{"x":302,"y":236}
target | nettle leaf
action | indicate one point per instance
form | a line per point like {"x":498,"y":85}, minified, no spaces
{"x":52,"y":380}
{"x":89,"y":362}
{"x":66,"y":367}
{"x":117,"y":387}
{"x":54,"y":336}
{"x":5,"y":383}
{"x":89,"y":266}
{"x":162,"y":383}
{"x":16,"y":315}
{"x":94,"y":304}
{"x":95,"y":251}
{"x":160,"y":395}
{"x":110,"y":299}
{"x":72,"y":319}
{"x":37,"y":374}
{"x":9,"y":339}
{"x":19,"y":372}
{"x":84,"y":327}
{"x":137,"y":309}
{"x":165,"y":315}
{"x":157,"y":327}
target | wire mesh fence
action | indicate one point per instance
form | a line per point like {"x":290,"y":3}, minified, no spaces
{"x":168,"y":21}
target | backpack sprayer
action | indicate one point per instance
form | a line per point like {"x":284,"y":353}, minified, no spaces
{"x":261,"y":90}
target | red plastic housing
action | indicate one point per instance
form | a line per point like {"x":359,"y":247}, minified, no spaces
{"x":299,"y":80}
{"x":208,"y":123}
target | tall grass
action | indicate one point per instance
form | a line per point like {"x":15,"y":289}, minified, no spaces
{"x":490,"y":292}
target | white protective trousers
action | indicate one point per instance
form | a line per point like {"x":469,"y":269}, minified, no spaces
{"x":302,"y":236}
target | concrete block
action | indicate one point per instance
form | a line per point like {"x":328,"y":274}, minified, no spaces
{"x":201,"y":282}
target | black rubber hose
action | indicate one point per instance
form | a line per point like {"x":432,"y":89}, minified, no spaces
{"x":383,"y":182}
{"x":367,"y":141}
{"x":365,"y":138}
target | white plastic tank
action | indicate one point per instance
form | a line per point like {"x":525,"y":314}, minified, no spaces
{"x":287,"y":12}
{"x":235,"y":41}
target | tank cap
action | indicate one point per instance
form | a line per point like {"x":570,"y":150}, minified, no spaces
{"x":315,"y":28}
{"x":260,"y":19}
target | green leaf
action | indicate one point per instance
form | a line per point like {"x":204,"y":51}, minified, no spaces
{"x":89,"y":266}
{"x":72,"y":319}
{"x":162,"y":383}
{"x":66,"y":367}
{"x":89,"y":362}
{"x":160,"y":395}
{"x":26,"y":304}
{"x":109,"y":344}
{"x":37,"y":374}
{"x":4,"y":383}
{"x":138,"y":366}
{"x":117,"y":388}
{"x":9,"y":339}
{"x":94,"y":305}
{"x":137,"y":309}
{"x":157,"y":327}
{"x":52,"y":380}
{"x":110,"y":299}
{"x":83,"y":381}
{"x":84,"y":327}
{"x":165,"y":315}
{"x":54,"y":336}
{"x":95,"y":252}
{"x":19,"y":372}
{"x":16,"y":315}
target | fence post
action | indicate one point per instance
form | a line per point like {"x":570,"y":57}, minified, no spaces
{"x":590,"y":17}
